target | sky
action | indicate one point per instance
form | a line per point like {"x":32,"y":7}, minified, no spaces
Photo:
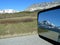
{"x":51,"y":16}
{"x":19,"y":4}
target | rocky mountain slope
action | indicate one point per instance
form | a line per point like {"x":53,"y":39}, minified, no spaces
{"x":40,"y":6}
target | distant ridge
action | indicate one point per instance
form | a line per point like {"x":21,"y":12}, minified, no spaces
{"x":8,"y":11}
{"x":40,"y":6}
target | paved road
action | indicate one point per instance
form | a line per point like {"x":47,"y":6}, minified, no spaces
{"x":51,"y":35}
{"x":24,"y":40}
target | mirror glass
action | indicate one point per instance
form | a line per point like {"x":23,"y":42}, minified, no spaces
{"x":49,"y":24}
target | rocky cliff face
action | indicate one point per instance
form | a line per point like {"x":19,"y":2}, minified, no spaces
{"x":40,"y":6}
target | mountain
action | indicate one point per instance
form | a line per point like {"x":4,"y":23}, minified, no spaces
{"x":41,"y":6}
{"x":8,"y":11}
{"x":46,"y":24}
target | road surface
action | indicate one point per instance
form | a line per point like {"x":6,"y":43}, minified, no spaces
{"x":24,"y":40}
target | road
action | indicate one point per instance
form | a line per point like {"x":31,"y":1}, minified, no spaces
{"x":51,"y":35}
{"x":24,"y":40}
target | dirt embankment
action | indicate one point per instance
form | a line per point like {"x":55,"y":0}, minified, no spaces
{"x":17,"y":20}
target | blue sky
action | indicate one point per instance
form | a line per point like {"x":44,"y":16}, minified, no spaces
{"x":51,"y":16}
{"x":19,"y":4}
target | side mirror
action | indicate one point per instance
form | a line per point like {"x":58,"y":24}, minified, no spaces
{"x":49,"y":23}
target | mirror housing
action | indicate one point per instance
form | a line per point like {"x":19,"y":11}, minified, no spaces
{"x":45,"y":27}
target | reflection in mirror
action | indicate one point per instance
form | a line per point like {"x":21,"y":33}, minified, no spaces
{"x":49,"y":24}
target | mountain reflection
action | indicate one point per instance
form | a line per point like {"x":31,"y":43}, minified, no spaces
{"x":48,"y":25}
